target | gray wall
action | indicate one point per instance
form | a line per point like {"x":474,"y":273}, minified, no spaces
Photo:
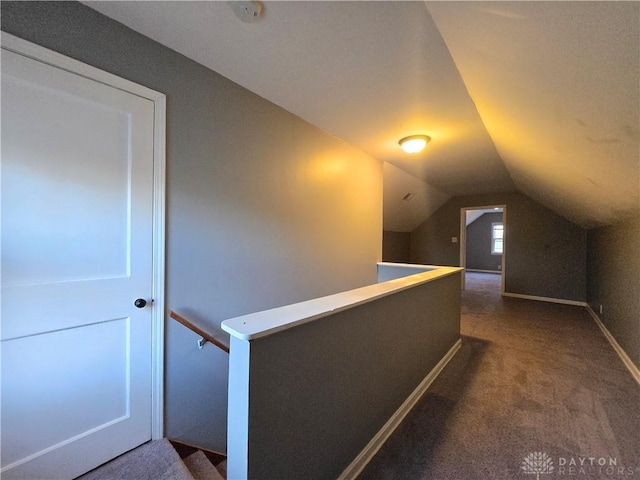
{"x":479,"y":254}
{"x":395,"y":246}
{"x":614,"y":282}
{"x":352,"y":371}
{"x":545,"y":254}
{"x":262,"y":209}
{"x":391,"y":271}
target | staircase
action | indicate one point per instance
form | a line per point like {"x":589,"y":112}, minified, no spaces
{"x":201,"y":468}
{"x":203,"y":464}
{"x":162,"y":460}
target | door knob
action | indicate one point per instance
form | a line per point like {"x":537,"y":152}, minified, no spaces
{"x":140,"y":303}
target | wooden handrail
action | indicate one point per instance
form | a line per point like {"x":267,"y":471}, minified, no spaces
{"x":194,"y":328}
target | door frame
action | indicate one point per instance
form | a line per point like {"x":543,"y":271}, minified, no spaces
{"x":36,"y":52}
{"x":463,"y":241}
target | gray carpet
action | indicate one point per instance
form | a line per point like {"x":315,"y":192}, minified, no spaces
{"x":155,"y":460}
{"x":201,"y":468}
{"x":531,"y":377}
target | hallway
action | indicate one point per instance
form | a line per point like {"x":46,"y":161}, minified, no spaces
{"x":530,"y":377}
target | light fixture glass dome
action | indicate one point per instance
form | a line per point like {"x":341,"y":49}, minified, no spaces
{"x":414,"y":143}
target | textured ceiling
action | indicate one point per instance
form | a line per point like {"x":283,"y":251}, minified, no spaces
{"x":555,"y":85}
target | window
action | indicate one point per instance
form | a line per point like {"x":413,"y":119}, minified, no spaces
{"x":497,"y":238}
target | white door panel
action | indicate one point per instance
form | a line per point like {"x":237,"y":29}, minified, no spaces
{"x":100,"y":379}
{"x":59,"y":179}
{"x":76,"y":304}
{"x":77,"y":250}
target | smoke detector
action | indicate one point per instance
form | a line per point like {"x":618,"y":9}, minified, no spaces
{"x":248,"y":12}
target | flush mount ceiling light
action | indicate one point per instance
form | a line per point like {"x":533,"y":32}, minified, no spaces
{"x":414,"y":143}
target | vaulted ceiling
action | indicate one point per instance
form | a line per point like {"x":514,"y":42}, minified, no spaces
{"x":539,"y":97}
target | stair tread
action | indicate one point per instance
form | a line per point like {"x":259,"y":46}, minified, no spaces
{"x":155,"y":460}
{"x":201,"y":468}
{"x":222,"y":468}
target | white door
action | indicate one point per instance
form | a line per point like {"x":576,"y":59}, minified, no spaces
{"x":77,"y":223}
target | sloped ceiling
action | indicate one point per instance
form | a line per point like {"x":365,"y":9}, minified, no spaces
{"x":402,"y":214}
{"x":555,"y":85}
{"x":473,"y":215}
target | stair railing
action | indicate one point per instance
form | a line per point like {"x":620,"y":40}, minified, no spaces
{"x":205,"y":337}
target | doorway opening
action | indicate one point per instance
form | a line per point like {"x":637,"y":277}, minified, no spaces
{"x":483,"y":246}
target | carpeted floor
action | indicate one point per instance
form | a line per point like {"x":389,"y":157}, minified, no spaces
{"x":531,"y":377}
{"x":155,"y":460}
{"x":159,"y":460}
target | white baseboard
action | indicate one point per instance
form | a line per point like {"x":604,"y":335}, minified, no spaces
{"x":633,"y":369}
{"x":364,"y":457}
{"x":545,"y":299}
